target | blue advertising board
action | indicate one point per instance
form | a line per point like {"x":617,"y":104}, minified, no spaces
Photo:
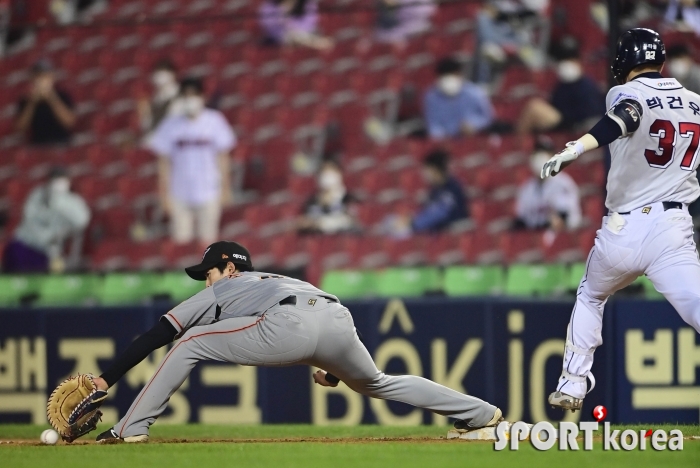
{"x":505,"y":351}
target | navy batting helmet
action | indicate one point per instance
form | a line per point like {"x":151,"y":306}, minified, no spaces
{"x":636,"y":47}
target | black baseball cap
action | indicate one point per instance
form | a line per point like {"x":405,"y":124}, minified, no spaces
{"x":222,"y":251}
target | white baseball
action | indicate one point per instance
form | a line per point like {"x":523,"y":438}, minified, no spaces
{"x":49,"y":437}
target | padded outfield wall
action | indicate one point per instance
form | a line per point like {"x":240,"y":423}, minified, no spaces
{"x":505,"y":351}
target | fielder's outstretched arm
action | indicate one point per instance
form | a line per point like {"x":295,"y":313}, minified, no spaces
{"x":157,"y":337}
{"x":621,"y":120}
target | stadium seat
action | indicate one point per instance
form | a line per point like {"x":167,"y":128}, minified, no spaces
{"x":125,"y":288}
{"x":408,"y":282}
{"x":531,"y":280}
{"x":65,"y":290}
{"x":349,"y":284}
{"x":176,"y":285}
{"x":15,"y":289}
{"x":473,"y":280}
{"x":650,"y":291}
{"x":576,"y":272}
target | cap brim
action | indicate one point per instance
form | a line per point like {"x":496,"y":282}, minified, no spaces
{"x":199,"y":272}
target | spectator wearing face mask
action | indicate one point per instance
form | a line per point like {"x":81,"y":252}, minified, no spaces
{"x":455,"y":107}
{"x":193,"y":166}
{"x":51,"y":215}
{"x":45,"y":114}
{"x":329,"y":210}
{"x":292,"y":22}
{"x":552,"y":203}
{"x":576,"y":98}
{"x":163,"y":101}
{"x":681,"y":66}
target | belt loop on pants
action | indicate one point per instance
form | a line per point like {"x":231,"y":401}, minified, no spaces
{"x":290,"y":300}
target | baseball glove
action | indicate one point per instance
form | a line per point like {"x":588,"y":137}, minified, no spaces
{"x":73,"y":407}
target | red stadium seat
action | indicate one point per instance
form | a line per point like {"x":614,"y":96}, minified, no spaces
{"x":111,"y":255}
{"x":489,"y":214}
{"x":521,"y":246}
{"x":178,"y":256}
{"x":409,"y":251}
{"x":565,"y":248}
{"x":113,"y":223}
{"x":594,"y":209}
{"x":586,"y":240}
{"x":443,"y":249}
{"x":480,"y":247}
{"x":146,"y":256}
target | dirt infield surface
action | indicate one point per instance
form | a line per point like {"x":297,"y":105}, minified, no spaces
{"x":312,"y":446}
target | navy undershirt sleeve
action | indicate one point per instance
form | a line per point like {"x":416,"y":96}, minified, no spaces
{"x":157,"y":337}
{"x":606,"y":131}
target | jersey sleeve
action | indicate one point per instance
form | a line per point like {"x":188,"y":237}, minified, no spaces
{"x":161,"y":141}
{"x":225,"y":138}
{"x":619,"y":93}
{"x":199,"y":309}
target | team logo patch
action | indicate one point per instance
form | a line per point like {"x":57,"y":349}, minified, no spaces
{"x":650,"y":55}
{"x":646,"y":210}
{"x":312,"y":302}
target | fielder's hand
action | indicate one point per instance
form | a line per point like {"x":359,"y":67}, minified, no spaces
{"x":559,"y":161}
{"x":320,"y":378}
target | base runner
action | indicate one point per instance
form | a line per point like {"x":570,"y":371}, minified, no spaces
{"x":653,"y":129}
{"x":260,"y":319}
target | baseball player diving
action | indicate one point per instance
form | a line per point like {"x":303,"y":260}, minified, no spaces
{"x":653,"y":128}
{"x":260,"y":319}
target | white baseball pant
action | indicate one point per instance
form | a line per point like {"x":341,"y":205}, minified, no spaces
{"x":647,"y":241}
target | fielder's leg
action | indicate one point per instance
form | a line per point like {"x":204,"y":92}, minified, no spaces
{"x":277,"y":338}
{"x":341,"y":352}
{"x":609,"y":267}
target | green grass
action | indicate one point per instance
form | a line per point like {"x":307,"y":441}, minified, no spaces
{"x":311,"y":446}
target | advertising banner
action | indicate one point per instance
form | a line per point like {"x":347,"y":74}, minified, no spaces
{"x":505,"y":351}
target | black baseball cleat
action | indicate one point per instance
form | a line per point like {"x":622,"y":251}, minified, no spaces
{"x":110,"y":437}
{"x":497,"y":418}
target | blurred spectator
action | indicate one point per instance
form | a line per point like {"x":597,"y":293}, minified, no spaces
{"x":193,"y":168}
{"x":684,"y":14}
{"x":398,"y":20}
{"x":511,"y":27}
{"x":51,"y":215}
{"x":292,"y":22}
{"x":45,"y":114}
{"x":552,"y":203}
{"x":446,"y":202}
{"x":162,"y":103}
{"x":454,"y":106}
{"x":575,"y":101}
{"x":329,"y":210}
{"x":681,"y":66}
{"x":68,"y":11}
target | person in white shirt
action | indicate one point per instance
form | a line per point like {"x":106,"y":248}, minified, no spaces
{"x":193,"y":168}
{"x":550,"y":203}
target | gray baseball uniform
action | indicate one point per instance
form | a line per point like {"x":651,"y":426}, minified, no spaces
{"x":240,"y":320}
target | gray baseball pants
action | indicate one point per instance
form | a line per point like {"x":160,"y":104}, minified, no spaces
{"x":314,"y":332}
